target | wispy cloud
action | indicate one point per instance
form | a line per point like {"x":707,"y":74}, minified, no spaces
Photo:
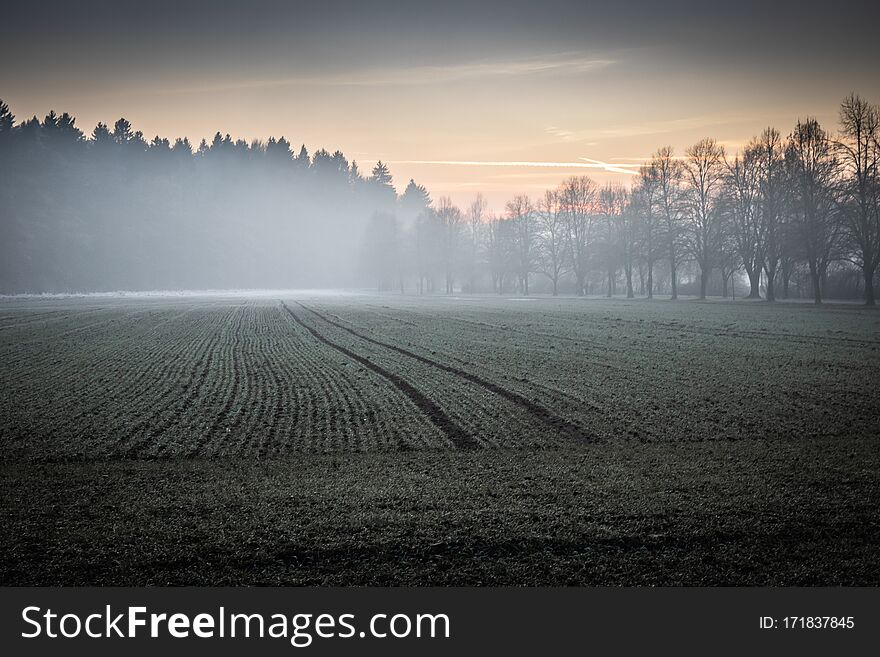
{"x":562,"y":133}
{"x":642,"y":129}
{"x":555,"y":64}
{"x":583,"y":163}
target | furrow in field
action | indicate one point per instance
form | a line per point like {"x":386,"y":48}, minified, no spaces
{"x":203,"y":427}
{"x":491,"y":419}
{"x":156,"y":371}
{"x":271,"y":422}
{"x":385,"y":418}
{"x":642,"y":374}
{"x":250,"y":422}
{"x":517,"y":370}
{"x":123,"y":372}
{"x":148,"y":436}
{"x":223,"y":387}
{"x":14,"y":343}
{"x":18,"y":321}
{"x":434,"y":412}
{"x":329,"y":403}
{"x":659,"y":372}
{"x":74,"y":413}
{"x":709,"y":388}
{"x":545,"y":415}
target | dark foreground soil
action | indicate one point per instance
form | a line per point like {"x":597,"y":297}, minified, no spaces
{"x":711,"y":513}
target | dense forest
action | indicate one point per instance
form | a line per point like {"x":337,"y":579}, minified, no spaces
{"x":114,"y":211}
{"x":788,"y":216}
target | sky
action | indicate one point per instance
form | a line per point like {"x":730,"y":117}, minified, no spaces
{"x":495,"y":97}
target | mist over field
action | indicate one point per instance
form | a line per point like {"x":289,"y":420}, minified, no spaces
{"x":788,"y":216}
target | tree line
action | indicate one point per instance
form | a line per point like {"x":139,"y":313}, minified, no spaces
{"x":790,"y":216}
{"x":114,"y":211}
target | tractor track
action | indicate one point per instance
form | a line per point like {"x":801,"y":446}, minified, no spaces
{"x":545,"y":415}
{"x":456,"y":434}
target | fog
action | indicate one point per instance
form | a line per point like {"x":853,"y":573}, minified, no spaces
{"x":112,"y":211}
{"x":793,"y":216}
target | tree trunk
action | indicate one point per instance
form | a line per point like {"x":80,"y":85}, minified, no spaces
{"x":629,"y":283}
{"x":580,"y":284}
{"x":672,"y":277}
{"x":754,"y":283}
{"x":704,"y":281}
{"x":869,"y":287}
{"x":770,"y":272}
{"x":555,"y":286}
{"x":650,"y":278}
{"x":816,"y":279}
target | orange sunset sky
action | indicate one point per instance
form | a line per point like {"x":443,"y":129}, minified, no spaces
{"x":501,"y":98}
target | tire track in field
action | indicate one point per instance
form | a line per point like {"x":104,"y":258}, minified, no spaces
{"x":615,"y":419}
{"x":459,"y":437}
{"x":546,"y":416}
{"x":331,"y":430}
{"x":330,"y":409}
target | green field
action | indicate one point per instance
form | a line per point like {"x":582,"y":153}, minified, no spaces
{"x":397,"y":440}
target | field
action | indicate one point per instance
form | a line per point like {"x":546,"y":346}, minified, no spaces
{"x":333,"y":439}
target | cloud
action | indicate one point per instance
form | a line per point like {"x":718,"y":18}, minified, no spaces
{"x":584,"y":163}
{"x":564,"y":134}
{"x":555,"y":64}
{"x":647,"y":128}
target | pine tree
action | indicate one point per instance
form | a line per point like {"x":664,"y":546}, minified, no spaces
{"x":7,"y":119}
{"x":381,"y":174}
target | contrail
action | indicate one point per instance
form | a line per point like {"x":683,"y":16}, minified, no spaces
{"x":587,"y":164}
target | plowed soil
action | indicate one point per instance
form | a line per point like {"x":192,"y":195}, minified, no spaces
{"x":397,"y":440}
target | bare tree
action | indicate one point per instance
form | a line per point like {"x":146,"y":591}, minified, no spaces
{"x":522,"y":217}
{"x":475,"y":215}
{"x":812,"y":168}
{"x":645,"y":199}
{"x":414,"y":210}
{"x":742,"y":196}
{"x":551,"y":238}
{"x":499,"y":250}
{"x":630,"y":235}
{"x":669,"y":175}
{"x":612,"y":201}
{"x":450,"y":220}
{"x":859,"y":154}
{"x":577,"y":197}
{"x":768,"y":151}
{"x":383,"y":255}
{"x":704,"y":174}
